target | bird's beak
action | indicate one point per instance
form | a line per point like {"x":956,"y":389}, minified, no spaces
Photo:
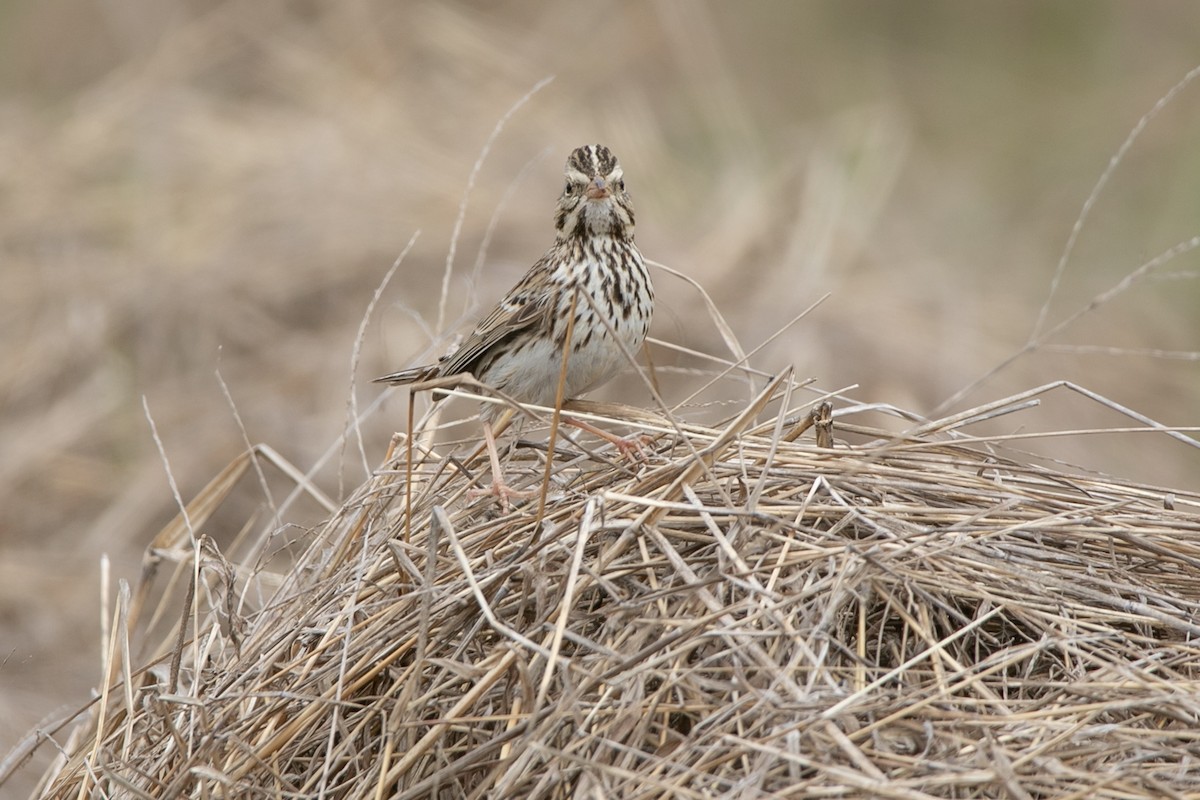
{"x":597,"y":189}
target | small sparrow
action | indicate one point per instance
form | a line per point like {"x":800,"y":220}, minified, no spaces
{"x":518,"y":347}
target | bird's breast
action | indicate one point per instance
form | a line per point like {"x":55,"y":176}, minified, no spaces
{"x":607,"y":283}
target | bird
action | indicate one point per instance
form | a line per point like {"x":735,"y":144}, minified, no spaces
{"x":593,"y":267}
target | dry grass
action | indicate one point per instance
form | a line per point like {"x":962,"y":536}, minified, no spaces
{"x":748,"y":614}
{"x":187,"y":188}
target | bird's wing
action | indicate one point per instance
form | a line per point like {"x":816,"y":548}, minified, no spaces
{"x":527,"y":306}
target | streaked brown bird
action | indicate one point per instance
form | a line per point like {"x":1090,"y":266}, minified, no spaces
{"x":518,"y":347}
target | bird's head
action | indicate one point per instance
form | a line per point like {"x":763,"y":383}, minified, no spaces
{"x":594,"y":201}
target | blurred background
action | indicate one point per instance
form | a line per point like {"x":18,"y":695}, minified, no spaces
{"x":189,"y":188}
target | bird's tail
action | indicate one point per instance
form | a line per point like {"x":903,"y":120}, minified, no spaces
{"x":410,"y":375}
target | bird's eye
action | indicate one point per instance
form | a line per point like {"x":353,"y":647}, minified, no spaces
{"x":621,"y":185}
{"x":570,"y":189}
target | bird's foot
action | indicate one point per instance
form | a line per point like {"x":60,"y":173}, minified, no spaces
{"x":635,"y":447}
{"x":503,"y":493}
{"x":500,"y":490}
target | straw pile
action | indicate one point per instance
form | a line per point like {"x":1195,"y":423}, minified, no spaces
{"x":747,"y":613}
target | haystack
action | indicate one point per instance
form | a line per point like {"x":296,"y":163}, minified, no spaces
{"x":748,"y":613}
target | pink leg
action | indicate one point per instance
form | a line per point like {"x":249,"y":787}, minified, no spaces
{"x":630,"y":447}
{"x":500,"y":490}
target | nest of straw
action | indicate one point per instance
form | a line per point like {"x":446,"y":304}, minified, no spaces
{"x":748,"y":613}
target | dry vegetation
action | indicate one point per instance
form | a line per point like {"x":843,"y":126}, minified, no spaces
{"x":186,"y":191}
{"x":745,"y":615}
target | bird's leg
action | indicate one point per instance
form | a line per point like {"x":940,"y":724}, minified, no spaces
{"x":631,"y":447}
{"x":500,"y":490}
